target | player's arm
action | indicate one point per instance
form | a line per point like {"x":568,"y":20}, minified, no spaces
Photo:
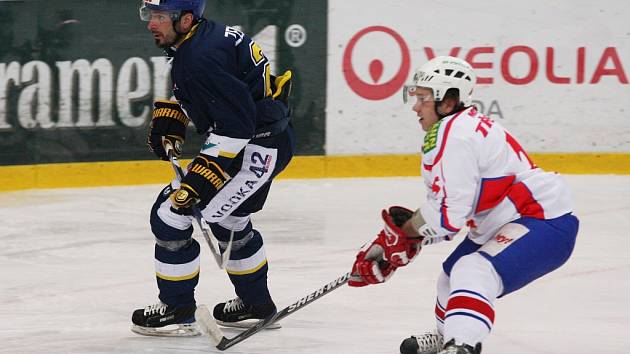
{"x":218,"y":97}
{"x":405,"y":232}
{"x":450,"y":201}
{"x":392,"y":248}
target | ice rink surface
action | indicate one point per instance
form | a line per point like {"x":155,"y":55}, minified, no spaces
{"x":75,"y":263}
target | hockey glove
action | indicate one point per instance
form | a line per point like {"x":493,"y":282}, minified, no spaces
{"x":377,"y":261}
{"x":168,"y":127}
{"x":282,"y":87}
{"x":369,"y":267}
{"x":202,"y":182}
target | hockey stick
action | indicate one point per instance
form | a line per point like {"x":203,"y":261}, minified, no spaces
{"x":205,"y":229}
{"x":210,"y":327}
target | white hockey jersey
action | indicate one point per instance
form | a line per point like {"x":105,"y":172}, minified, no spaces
{"x":478,"y":175}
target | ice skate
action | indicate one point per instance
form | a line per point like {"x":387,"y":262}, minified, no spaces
{"x":426,"y":343}
{"x":235,"y":313}
{"x":452,"y":348}
{"x":161,"y":320}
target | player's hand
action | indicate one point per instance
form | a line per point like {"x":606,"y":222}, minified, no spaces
{"x":377,"y":261}
{"x":281,"y":87}
{"x":168,"y":127}
{"x":184,"y":198}
{"x":400,"y":248}
{"x":201,"y":183}
{"x":369,"y":267}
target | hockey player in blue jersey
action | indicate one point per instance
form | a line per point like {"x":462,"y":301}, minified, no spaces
{"x":223,"y":85}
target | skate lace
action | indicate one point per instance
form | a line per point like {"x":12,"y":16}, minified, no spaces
{"x":429,"y":341}
{"x":160,"y":308}
{"x":233,"y":305}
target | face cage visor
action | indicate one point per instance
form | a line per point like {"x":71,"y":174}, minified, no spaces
{"x":408,"y":92}
{"x":147,"y":14}
{"x":411,"y":91}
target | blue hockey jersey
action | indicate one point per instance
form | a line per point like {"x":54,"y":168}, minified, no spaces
{"x":222,"y":80}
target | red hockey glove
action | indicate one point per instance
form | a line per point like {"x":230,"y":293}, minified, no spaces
{"x":400,"y":249}
{"x":377,"y":261}
{"x":369,"y":267}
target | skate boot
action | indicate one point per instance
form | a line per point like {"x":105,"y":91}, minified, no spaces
{"x":426,"y":343}
{"x":162,"y":320}
{"x":452,"y":348}
{"x":235,"y":313}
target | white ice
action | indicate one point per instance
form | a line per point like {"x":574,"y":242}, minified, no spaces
{"x":74,"y":264}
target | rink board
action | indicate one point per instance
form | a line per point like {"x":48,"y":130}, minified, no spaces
{"x":90,"y":174}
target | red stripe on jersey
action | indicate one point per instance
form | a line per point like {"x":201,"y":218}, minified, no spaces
{"x":493,"y":191}
{"x":524,"y":201}
{"x":518,"y":149}
{"x":471,"y":304}
{"x":439,"y":313}
{"x":444,"y":209}
{"x":445,"y":222}
{"x":446,"y":131}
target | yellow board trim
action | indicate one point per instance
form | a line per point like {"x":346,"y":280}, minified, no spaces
{"x":184,"y":277}
{"x":249,"y":271}
{"x":95,"y":174}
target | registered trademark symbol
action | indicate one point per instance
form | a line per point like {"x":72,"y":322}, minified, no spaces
{"x":295,"y":35}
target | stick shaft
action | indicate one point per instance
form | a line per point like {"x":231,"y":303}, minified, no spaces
{"x":196,"y":212}
{"x":224,"y":342}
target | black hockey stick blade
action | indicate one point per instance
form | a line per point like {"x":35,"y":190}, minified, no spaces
{"x":211,"y":328}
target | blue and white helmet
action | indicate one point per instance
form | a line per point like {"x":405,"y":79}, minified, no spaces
{"x":174,"y":7}
{"x":443,"y":73}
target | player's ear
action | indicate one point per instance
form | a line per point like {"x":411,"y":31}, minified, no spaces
{"x":187,"y":21}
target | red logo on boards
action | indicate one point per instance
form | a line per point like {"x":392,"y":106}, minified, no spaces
{"x":376,"y":91}
{"x":493,"y":65}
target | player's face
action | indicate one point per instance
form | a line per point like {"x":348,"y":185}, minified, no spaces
{"x":425,"y":107}
{"x":161,"y":26}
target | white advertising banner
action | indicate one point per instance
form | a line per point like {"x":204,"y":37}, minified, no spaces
{"x":555,"y":73}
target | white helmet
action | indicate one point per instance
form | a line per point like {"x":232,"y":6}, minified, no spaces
{"x":442,"y":73}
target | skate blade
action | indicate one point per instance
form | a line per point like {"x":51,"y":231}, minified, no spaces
{"x":176,"y":330}
{"x":246,"y":324}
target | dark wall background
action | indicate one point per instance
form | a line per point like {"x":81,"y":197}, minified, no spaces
{"x":65,"y":30}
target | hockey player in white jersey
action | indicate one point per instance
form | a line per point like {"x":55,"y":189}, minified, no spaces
{"x":519,"y":217}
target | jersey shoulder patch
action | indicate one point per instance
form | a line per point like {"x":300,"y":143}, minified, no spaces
{"x":256,"y":53}
{"x":430,"y":138}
